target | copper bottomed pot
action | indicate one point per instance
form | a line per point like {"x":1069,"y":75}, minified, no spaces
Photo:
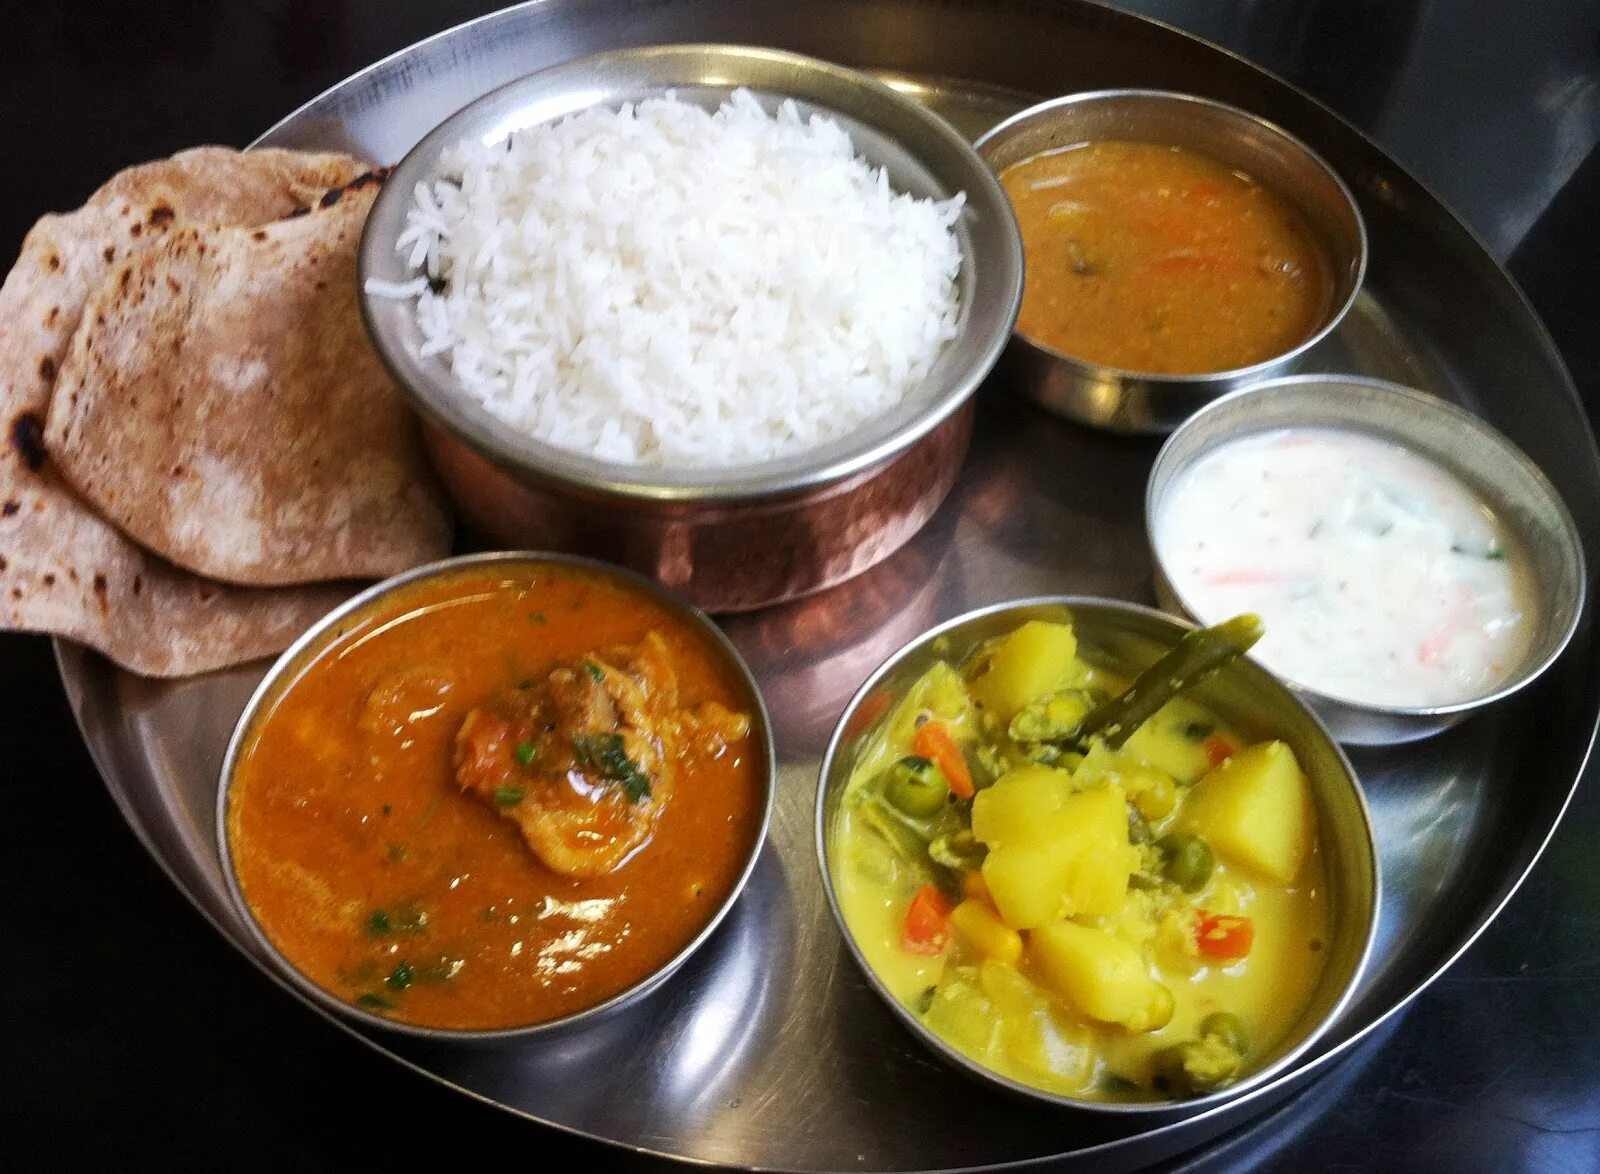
{"x":734,"y":537}
{"x":726,"y":556}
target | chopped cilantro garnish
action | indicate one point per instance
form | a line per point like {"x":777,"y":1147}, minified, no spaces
{"x":400,"y":977}
{"x":604,"y":754}
{"x":524,"y":753}
{"x":537,"y":617}
{"x":373,"y":1002}
{"x":379,"y":922}
{"x":596,"y":673}
{"x":508,"y":796}
{"x":387,"y":809}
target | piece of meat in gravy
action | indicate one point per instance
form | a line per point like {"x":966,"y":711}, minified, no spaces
{"x":585,"y":758}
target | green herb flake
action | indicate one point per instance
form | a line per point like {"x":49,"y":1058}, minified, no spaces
{"x":379,"y":922}
{"x":398,"y":852}
{"x":524,"y":754}
{"x":400,"y":977}
{"x":373,"y":1002}
{"x":596,"y":673}
{"x":604,"y":754}
{"x":537,"y":617}
{"x":508,"y":796}
{"x":387,"y":809}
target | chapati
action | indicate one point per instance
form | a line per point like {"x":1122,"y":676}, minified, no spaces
{"x":222,"y":404}
{"x":63,"y":569}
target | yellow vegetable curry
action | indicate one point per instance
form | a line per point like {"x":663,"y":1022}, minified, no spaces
{"x":1129,"y":924}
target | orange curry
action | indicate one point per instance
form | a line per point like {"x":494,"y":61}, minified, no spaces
{"x":1159,"y":260}
{"x":499,"y":799}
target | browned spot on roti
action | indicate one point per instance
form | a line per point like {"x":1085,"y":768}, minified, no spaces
{"x":10,"y":508}
{"x":135,"y":228}
{"x":302,"y":210}
{"x":138,"y":584}
{"x":27,"y":437}
{"x":172,"y":284}
{"x":3,"y":563}
{"x":161,"y":215}
{"x":259,"y":234}
{"x":16,"y":593}
{"x":50,"y":318}
{"x":47,"y":369}
{"x":100,"y":584}
{"x":127,"y":276}
{"x":109,"y":253}
{"x":49,"y":579}
{"x":53,"y":262}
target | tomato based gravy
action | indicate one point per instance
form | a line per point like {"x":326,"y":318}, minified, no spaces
{"x":498,"y":798}
{"x":1159,"y":260}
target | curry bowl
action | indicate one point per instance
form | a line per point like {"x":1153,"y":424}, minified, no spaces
{"x":1148,"y":921}
{"x":1278,"y":176}
{"x":1506,"y":556}
{"x":728,"y":537}
{"x":497,"y":796}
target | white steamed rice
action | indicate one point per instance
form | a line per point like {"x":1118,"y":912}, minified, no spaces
{"x":661,"y":285}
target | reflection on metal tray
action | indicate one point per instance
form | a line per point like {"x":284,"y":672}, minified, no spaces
{"x":768,"y":1049}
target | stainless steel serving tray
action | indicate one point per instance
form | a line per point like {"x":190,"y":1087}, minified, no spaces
{"x":768,"y":1050}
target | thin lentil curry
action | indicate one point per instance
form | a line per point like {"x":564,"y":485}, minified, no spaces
{"x":499,"y":799}
{"x":1160,"y":260}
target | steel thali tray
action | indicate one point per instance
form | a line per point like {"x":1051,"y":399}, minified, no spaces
{"x":768,"y":1050}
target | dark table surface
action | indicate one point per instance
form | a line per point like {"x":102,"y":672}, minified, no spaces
{"x":133,"y":1037}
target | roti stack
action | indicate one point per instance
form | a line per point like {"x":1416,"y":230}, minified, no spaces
{"x":231,"y":375}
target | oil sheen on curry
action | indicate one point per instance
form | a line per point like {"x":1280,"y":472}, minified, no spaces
{"x":1160,"y":260}
{"x":498,"y":800}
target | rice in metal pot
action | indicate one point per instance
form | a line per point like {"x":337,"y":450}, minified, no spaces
{"x":668,"y":286}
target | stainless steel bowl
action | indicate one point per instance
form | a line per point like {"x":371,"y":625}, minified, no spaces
{"x":1128,"y":638}
{"x":1134,"y":401}
{"x":336,"y":624}
{"x":1494,"y":468}
{"x":732,"y":538}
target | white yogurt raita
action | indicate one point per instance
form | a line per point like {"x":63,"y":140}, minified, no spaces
{"x":1380,"y":577}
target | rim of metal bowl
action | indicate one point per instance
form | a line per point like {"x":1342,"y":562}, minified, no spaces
{"x":990,"y":278}
{"x":271,"y":688}
{"x":1424,"y":405}
{"x":1335,"y":314}
{"x":1188,"y":1105}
